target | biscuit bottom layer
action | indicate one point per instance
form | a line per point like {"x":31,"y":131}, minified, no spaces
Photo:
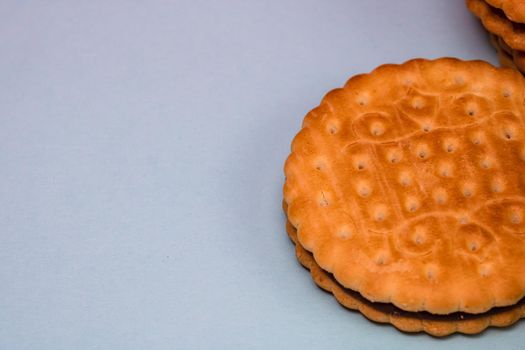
{"x":408,"y":321}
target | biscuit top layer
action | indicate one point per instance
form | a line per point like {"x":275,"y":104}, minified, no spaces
{"x":513,"y":9}
{"x":408,"y":185}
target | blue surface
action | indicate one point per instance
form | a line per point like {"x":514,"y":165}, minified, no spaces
{"x":141,"y":154}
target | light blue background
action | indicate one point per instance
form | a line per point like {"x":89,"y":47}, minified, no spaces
{"x":141,"y":153}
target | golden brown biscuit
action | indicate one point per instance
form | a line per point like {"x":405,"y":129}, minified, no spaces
{"x":507,"y":56}
{"x":513,"y":9}
{"x":408,"y":185}
{"x":436,"y":325}
{"x":495,"y":22}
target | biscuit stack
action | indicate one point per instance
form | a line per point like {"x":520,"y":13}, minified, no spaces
{"x":405,"y":195}
{"x":505,"y":21}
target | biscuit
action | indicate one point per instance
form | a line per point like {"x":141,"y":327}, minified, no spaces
{"x":408,"y":185}
{"x":507,"y":56}
{"x":513,"y":9}
{"x":436,"y":325}
{"x":505,"y":59}
{"x":494,"y":21}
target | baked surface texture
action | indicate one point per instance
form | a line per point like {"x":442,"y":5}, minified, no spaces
{"x":412,"y":322}
{"x":408,"y":185}
{"x":495,"y":22}
{"x":513,"y":9}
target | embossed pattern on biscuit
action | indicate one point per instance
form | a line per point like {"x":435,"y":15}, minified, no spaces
{"x":435,"y":325}
{"x":392,"y":181}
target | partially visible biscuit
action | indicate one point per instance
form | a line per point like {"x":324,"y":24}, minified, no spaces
{"x":508,"y":57}
{"x":497,"y":23}
{"x":504,"y":56}
{"x":513,"y":9}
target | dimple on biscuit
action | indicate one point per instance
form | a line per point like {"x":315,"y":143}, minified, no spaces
{"x":408,"y":185}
